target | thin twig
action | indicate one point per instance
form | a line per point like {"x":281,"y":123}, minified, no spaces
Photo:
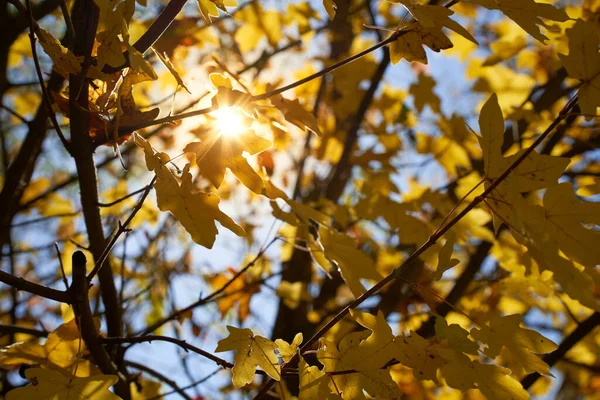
{"x":62,"y":267}
{"x":181,"y":343}
{"x":176,"y":314}
{"x":160,"y":377}
{"x":112,"y":203}
{"x":122,"y":229}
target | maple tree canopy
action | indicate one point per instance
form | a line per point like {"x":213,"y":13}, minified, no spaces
{"x":302,"y":199}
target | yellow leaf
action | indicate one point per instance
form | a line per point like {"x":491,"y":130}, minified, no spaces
{"x":435,"y":17}
{"x":287,"y":350}
{"x":238,"y":292}
{"x":456,"y":336}
{"x":330,"y":7}
{"x":422,"y":90}
{"x":47,"y":384}
{"x":536,"y":171}
{"x":291,"y":293}
{"x":576,"y":283}
{"x":219,"y":151}
{"x":149,"y":390}
{"x":382,"y":346}
{"x":296,"y":114}
{"x":62,"y":351}
{"x":139,"y":65}
{"x":164,"y":58}
{"x":250,"y":351}
{"x":65,"y":62}
{"x":493,"y":381}
{"x":310,"y":380}
{"x":256,"y":24}
{"x":583,"y":63}
{"x":353,"y":264}
{"x":522,"y":344}
{"x":445,"y":260}
{"x":563,"y":218}
{"x":210,"y":8}
{"x":528,"y":14}
{"x":218,"y":80}
{"x":377,"y":382}
{"x":196,"y":211}
{"x":491,"y":125}
{"x":410,"y":45}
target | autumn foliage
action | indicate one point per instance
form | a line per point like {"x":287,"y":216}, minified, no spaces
{"x":303,"y":199}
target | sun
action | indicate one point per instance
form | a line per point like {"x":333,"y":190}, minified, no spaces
{"x":230,"y":121}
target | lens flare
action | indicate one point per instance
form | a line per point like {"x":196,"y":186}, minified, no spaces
{"x":229,"y":121}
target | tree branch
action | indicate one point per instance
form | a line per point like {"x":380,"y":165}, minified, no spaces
{"x":85,"y":321}
{"x":34,"y":288}
{"x":13,"y":329}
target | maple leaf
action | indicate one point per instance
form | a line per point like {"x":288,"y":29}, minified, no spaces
{"x":238,"y":292}
{"x":217,"y":152}
{"x":164,"y":58}
{"x":250,"y":351}
{"x":493,"y":381}
{"x":435,"y":17}
{"x":410,"y":45}
{"x":62,"y":351}
{"x":296,"y":114}
{"x":528,"y":14}
{"x":427,"y":31}
{"x":311,"y":380}
{"x":578,"y":284}
{"x":48,"y":384}
{"x":583,"y":63}
{"x":65,"y":62}
{"x":127,"y":110}
{"x":287,"y":350}
{"x":196,"y":211}
{"x":562,"y":218}
{"x":536,"y":171}
{"x":381,"y":346}
{"x":522,"y":344}
{"x":445,"y":260}
{"x":491,"y":125}
{"x":423,"y":93}
{"x":456,"y":336}
{"x":113,"y":21}
{"x":353,"y":264}
{"x":376,"y":381}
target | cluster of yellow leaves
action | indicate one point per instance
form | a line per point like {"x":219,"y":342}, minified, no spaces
{"x":543,"y":229}
{"x":196,"y":211}
{"x":251,"y":351}
{"x":48,"y":384}
{"x":528,"y":14}
{"x":62,"y":351}
{"x":430,"y":19}
{"x":59,"y":369}
{"x":360,"y":362}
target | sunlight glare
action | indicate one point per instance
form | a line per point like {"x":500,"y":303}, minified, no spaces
{"x":229,"y":121}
